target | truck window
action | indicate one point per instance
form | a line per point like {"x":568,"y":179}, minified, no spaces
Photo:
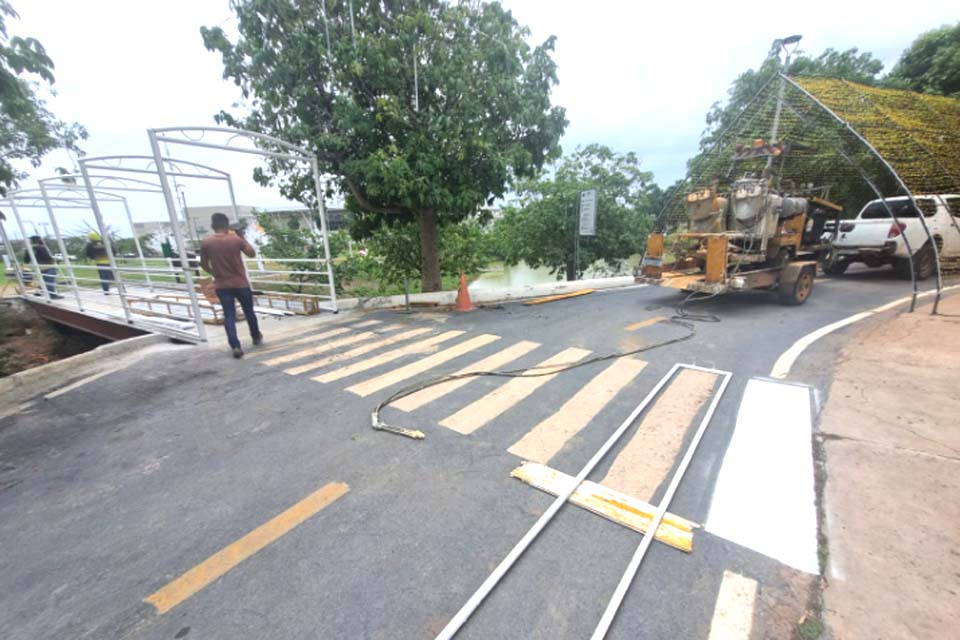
{"x":900,"y":208}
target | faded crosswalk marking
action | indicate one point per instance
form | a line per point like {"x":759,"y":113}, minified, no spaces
{"x":482,"y":411}
{"x":389,"y":356}
{"x":547,"y":438}
{"x":329,"y":346}
{"x":648,"y":457}
{"x":358,"y":351}
{"x":490,"y":363}
{"x":414,"y":368}
{"x":289,"y":343}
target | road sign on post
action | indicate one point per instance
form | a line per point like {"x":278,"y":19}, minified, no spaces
{"x":588,"y":212}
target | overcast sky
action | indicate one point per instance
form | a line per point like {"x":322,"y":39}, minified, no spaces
{"x":636,"y":76}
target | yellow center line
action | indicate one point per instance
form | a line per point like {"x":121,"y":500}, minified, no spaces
{"x":644,"y":323}
{"x":179,"y":589}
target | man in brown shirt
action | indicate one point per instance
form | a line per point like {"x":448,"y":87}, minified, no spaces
{"x":221,"y":254}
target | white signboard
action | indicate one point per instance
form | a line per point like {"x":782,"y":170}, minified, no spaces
{"x":588,"y":212}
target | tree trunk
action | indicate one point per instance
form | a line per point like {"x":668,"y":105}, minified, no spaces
{"x":571,"y":270}
{"x":429,"y":251}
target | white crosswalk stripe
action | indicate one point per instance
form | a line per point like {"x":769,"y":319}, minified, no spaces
{"x":480,"y":412}
{"x":391,"y":378}
{"x":329,"y":346}
{"x":384,"y":358}
{"x":490,"y":363}
{"x":547,"y":438}
{"x":358,"y":351}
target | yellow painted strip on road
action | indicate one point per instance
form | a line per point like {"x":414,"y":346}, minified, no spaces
{"x":547,"y":438}
{"x":480,"y":412}
{"x":614,"y":506}
{"x":409,"y":349}
{"x":490,"y":363}
{"x":330,"y":346}
{"x":230,"y":556}
{"x":648,"y":457}
{"x":644,"y":323}
{"x":358,"y":351}
{"x":733,"y":613}
{"x":414,"y":368}
{"x":560,"y":296}
{"x":273,"y":348}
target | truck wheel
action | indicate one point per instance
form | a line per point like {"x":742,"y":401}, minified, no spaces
{"x":797,"y":292}
{"x":836,"y":268}
{"x":923,"y":263}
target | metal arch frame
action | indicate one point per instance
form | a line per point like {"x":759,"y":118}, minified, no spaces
{"x":906,"y":190}
{"x":294,"y":153}
{"x":137,"y":186}
{"x":160,"y":167}
{"x":43,"y":201}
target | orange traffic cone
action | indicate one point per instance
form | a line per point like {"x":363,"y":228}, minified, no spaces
{"x":463,"y":296}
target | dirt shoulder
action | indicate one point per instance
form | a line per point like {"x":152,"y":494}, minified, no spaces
{"x":892,"y":445}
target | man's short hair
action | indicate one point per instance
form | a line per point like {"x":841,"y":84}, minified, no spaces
{"x":36,"y":239}
{"x":219,"y":221}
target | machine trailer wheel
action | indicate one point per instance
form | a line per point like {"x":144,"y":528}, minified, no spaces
{"x":836,"y":267}
{"x":797,"y":292}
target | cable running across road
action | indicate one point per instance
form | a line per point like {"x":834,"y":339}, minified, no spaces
{"x":681,"y":317}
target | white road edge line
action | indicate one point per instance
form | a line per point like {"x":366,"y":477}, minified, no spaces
{"x":781,"y":368}
{"x":733,"y":613}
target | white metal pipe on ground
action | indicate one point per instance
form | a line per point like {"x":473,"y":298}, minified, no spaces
{"x":488,"y":585}
{"x":617,"y":599}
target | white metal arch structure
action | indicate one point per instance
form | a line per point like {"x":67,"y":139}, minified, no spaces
{"x":67,"y":184}
{"x":39,"y":199}
{"x":249,"y":142}
{"x":98,"y":172}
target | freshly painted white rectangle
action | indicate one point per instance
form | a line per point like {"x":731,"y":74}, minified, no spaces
{"x":764,"y":497}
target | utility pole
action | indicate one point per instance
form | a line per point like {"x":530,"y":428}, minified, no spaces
{"x":781,"y":45}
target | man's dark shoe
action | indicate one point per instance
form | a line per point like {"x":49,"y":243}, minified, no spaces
{"x":237,"y":352}
{"x":258,"y":341}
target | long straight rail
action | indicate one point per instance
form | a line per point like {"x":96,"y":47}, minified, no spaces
{"x":616,"y":600}
{"x":488,"y":585}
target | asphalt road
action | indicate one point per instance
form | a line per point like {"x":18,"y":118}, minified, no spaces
{"x":112,"y":490}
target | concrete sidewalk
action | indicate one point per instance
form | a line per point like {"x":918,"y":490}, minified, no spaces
{"x":891,"y":440}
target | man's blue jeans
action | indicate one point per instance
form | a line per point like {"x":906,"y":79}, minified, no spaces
{"x":245,"y":297}
{"x":106,"y":276}
{"x":50,"y":279}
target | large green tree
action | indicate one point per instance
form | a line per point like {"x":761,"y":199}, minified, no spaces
{"x":931,"y":64}
{"x":27,"y":129}
{"x":540,"y":228}
{"x":422,"y":110}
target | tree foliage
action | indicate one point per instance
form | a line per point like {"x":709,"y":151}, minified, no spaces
{"x":540,"y":228}
{"x":931,"y":64}
{"x":464,"y":246}
{"x":27,"y":129}
{"x":849,"y":65}
{"x":422,"y":110}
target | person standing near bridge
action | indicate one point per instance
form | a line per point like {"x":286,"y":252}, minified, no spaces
{"x":221,"y":254}
{"x":48,"y":266}
{"x":97,"y":251}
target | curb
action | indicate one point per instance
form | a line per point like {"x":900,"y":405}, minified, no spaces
{"x":34,"y":378}
{"x":448,"y":298}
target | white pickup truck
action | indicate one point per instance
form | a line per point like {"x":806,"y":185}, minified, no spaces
{"x":875,"y":239}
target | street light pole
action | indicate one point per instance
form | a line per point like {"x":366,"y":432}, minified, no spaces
{"x":781,"y":45}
